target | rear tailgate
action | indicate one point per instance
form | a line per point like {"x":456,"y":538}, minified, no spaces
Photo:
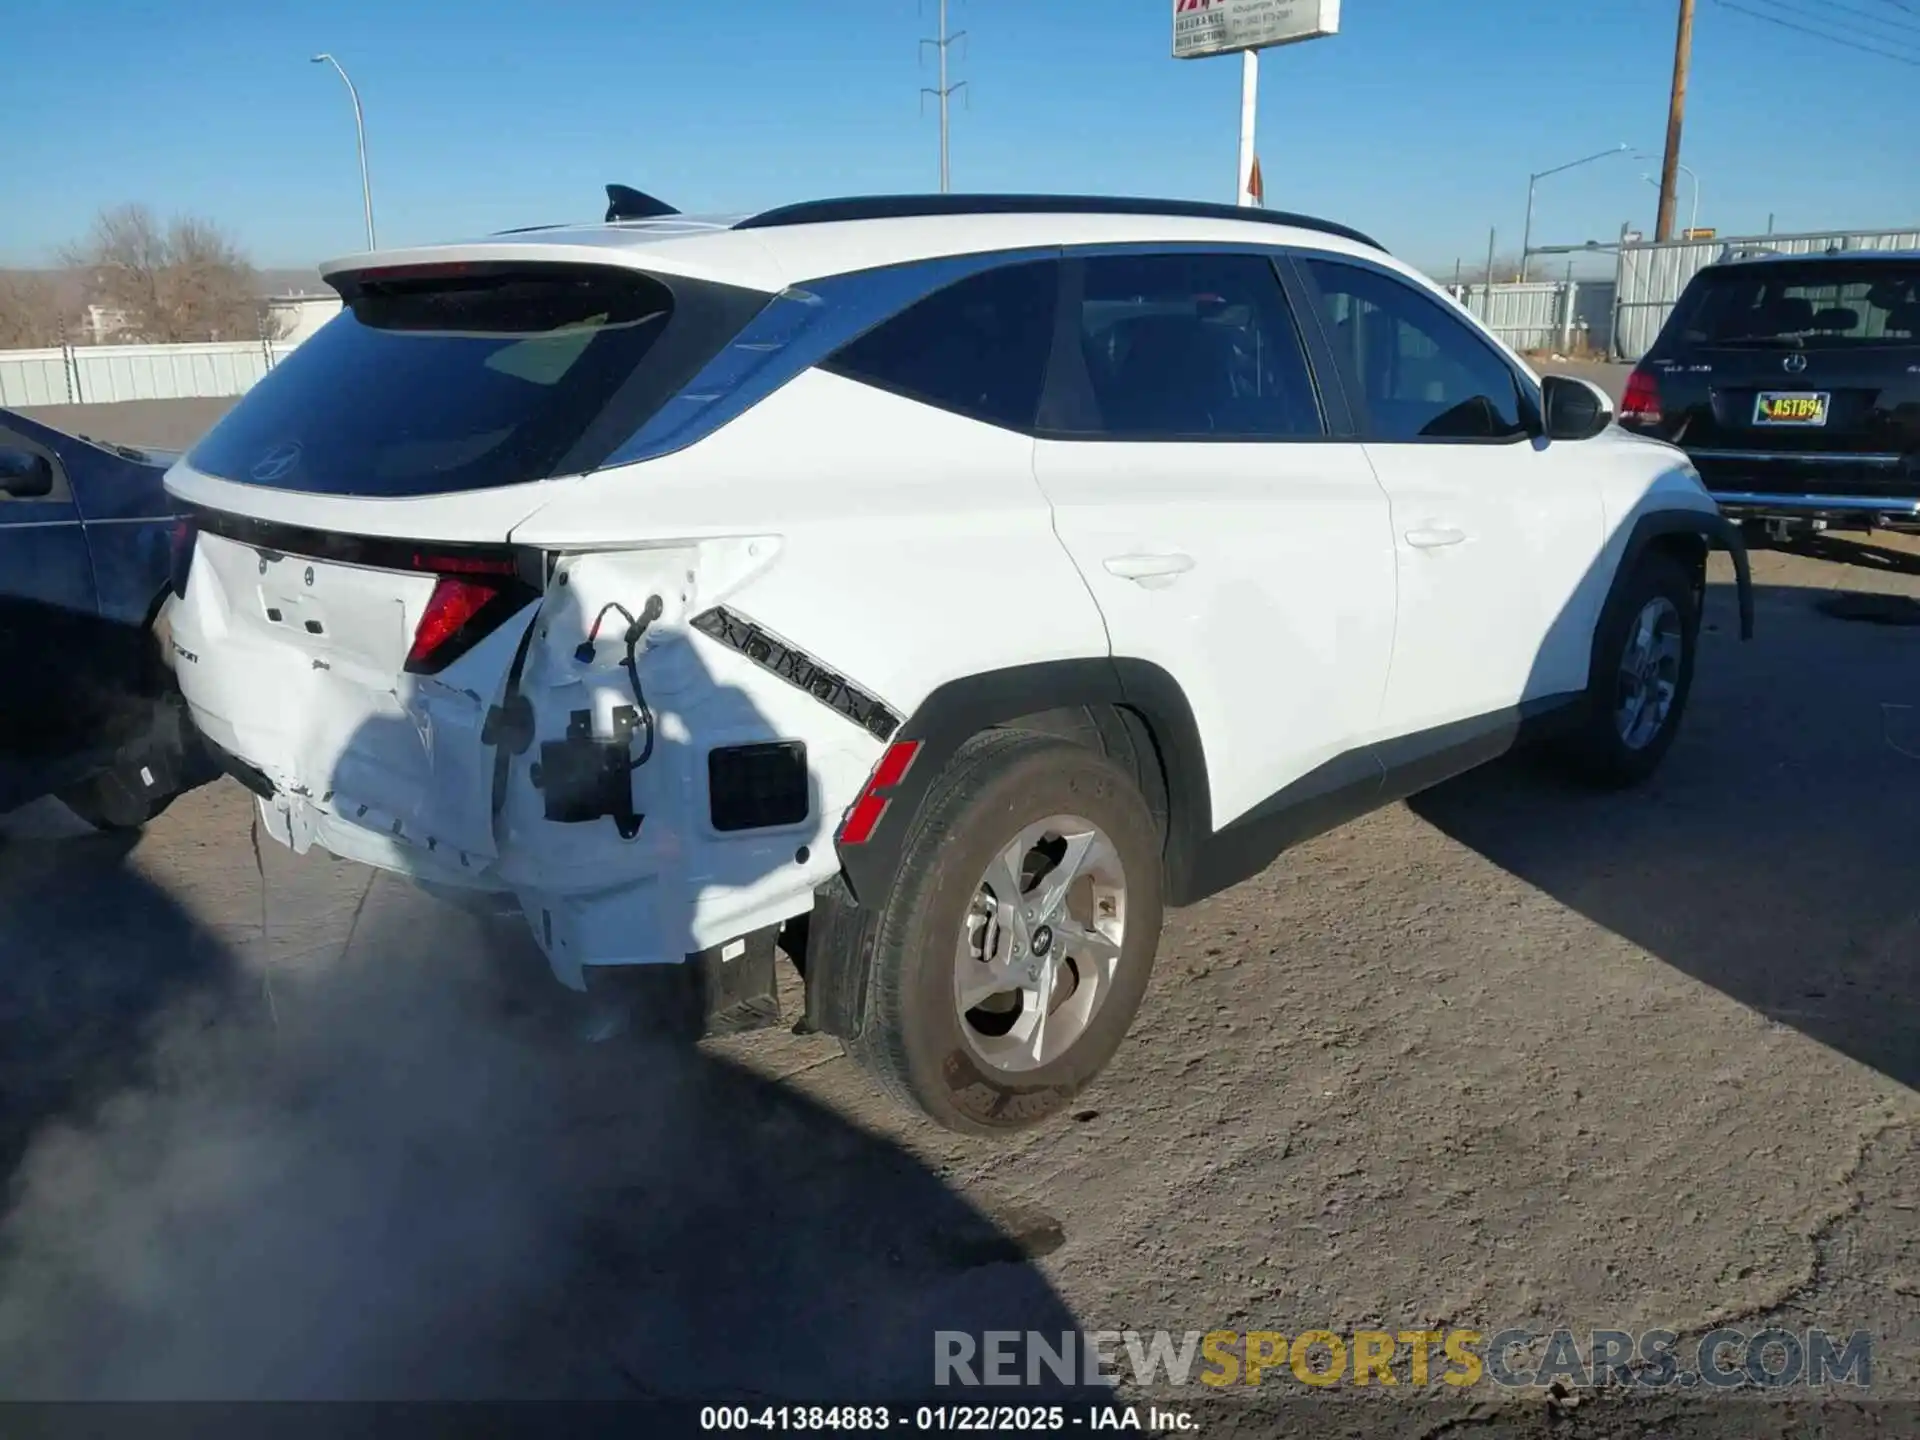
{"x":353,"y":613}
{"x":298,"y":666}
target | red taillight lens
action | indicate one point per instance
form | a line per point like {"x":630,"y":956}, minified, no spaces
{"x":454,"y":564}
{"x":1641,"y":402}
{"x":475,"y":590}
{"x":865,"y":814}
{"x":453,"y":606}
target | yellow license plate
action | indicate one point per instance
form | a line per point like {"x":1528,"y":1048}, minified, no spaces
{"x":1790,"y":407}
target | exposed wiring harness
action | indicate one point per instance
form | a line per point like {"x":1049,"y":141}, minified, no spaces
{"x":635,"y":632}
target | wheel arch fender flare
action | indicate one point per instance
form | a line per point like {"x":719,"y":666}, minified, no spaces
{"x":1713,"y":528}
{"x":962,"y":708}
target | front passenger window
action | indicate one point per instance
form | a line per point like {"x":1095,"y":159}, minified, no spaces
{"x":1420,"y":373}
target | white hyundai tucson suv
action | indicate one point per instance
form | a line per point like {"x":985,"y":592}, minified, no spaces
{"x":932,"y":588}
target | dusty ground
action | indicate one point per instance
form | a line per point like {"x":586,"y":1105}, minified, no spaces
{"x":1509,"y":1055}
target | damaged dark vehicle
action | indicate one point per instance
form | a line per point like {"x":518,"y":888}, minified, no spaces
{"x":89,"y":548}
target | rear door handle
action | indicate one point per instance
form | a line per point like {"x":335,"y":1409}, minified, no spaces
{"x":1148,"y":567}
{"x":1434,"y":537}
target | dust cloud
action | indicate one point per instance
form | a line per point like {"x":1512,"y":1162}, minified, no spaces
{"x":397,"y":1172}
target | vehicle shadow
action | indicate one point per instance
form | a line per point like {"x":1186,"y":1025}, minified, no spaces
{"x":367,"y":1155}
{"x":78,"y":988}
{"x":1772,"y":855}
{"x":1849,"y":550}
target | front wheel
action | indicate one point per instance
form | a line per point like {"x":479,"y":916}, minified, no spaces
{"x":1015,"y":947}
{"x":1643,"y":658}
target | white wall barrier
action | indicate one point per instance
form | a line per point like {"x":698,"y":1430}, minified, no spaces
{"x":102,"y":374}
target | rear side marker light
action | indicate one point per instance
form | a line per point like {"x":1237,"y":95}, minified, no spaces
{"x":864,"y":816}
{"x":1641,"y":401}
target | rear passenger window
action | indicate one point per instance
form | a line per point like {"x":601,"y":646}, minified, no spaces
{"x":1422,"y":375}
{"x":1181,"y":347}
{"x":977,"y":348}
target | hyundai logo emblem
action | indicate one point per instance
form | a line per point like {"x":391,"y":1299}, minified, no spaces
{"x":277,"y":463}
{"x":1794,"y":363}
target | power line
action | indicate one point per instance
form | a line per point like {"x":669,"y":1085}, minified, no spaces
{"x":1820,"y":34}
{"x":1902,"y":28}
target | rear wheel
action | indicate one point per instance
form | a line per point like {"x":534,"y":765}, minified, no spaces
{"x":1642,"y":674}
{"x":1016,"y":945}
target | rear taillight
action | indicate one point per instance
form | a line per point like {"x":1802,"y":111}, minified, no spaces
{"x":875,"y":795}
{"x":454,"y":605}
{"x":473,"y":594}
{"x":1640,"y":405}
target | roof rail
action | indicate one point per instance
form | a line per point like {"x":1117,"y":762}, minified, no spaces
{"x":891,"y":207}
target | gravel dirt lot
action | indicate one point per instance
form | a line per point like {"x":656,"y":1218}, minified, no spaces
{"x":1508,"y":1055}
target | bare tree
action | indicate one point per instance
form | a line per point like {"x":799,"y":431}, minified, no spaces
{"x":33,"y":315}
{"x":182,"y":281}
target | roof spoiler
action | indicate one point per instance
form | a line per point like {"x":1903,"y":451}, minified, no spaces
{"x":626,"y":203}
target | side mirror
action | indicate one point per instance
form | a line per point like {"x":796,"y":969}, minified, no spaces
{"x":1575,"y":409}
{"x":25,"y":475}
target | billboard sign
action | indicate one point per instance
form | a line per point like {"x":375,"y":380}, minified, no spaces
{"x":1220,"y":27}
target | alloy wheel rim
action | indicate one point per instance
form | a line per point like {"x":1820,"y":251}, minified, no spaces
{"x":1649,"y":673}
{"x":1040,"y":944}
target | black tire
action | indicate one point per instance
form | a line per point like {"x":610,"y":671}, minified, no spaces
{"x":1596,"y":751}
{"x":911,"y":1037}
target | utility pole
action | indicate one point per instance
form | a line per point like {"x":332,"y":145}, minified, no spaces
{"x":942,"y":45}
{"x":1249,"y":109}
{"x":1676,"y":111}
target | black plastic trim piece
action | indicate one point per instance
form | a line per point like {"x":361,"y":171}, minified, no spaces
{"x":1712,"y":527}
{"x":759,"y":786}
{"x":1359,"y":782}
{"x":944,"y":722}
{"x":251,"y":777}
{"x":1199,"y":861}
{"x":376,"y":552}
{"x":798,"y":669}
{"x":895,"y":207}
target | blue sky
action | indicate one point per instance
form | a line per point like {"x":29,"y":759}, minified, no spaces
{"x":1420,"y":122}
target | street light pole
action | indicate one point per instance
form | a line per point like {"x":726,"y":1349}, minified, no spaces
{"x":1533,"y":180}
{"x":360,"y":134}
{"x":1693,"y":178}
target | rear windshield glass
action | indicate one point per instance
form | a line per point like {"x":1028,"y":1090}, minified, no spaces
{"x":464,"y":378}
{"x":1822,"y":305}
